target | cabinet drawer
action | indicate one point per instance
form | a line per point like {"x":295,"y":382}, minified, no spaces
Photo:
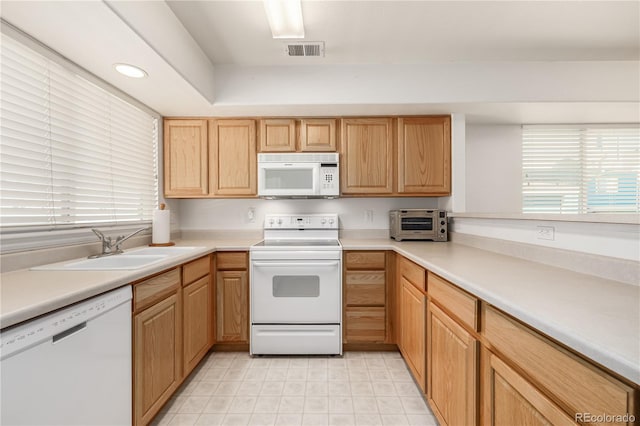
{"x":581,"y":387}
{"x":195,"y":269}
{"x":365,"y":287}
{"x":149,"y":291}
{"x":413,"y":273}
{"x":365,"y":260}
{"x":365,"y":324}
{"x":456,"y":301}
{"x":231,"y":260}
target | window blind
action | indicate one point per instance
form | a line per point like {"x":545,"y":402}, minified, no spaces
{"x":581,"y":169}
{"x":71,"y":153}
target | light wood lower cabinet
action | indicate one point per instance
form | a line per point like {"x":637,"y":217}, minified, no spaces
{"x":232,"y":287}
{"x":574,"y":384}
{"x":510,"y":400}
{"x":365,"y":299}
{"x":198,"y":318}
{"x":157,"y":356}
{"x":412,"y":317}
{"x":233,"y":298}
{"x":452,"y":369}
{"x":172,"y":332}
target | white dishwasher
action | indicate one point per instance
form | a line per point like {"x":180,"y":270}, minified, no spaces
{"x":70,"y":367}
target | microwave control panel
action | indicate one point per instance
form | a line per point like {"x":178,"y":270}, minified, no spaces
{"x":329,"y":179}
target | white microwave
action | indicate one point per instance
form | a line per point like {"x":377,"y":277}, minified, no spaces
{"x":299,"y":175}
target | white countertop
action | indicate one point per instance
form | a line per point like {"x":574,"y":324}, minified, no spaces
{"x":596,"y":317}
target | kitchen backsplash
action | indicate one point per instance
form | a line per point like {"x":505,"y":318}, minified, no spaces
{"x":355,"y":213}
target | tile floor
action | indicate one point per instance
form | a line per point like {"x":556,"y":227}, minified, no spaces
{"x":361,"y":388}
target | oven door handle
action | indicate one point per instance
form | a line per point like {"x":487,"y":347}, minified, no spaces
{"x":300,"y":264}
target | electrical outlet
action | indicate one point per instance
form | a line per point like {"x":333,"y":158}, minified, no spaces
{"x":251,"y":214}
{"x":546,"y":233}
{"x":368,"y":216}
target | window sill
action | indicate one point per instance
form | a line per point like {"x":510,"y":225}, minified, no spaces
{"x":35,"y":240}
{"x":624,"y":218}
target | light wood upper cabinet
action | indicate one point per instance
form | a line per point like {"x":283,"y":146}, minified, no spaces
{"x":452,"y":371}
{"x":424,"y":155}
{"x":232,"y":157}
{"x":367,"y":156}
{"x":185,"y":157}
{"x":277,"y":135}
{"x":157,"y":356}
{"x":318,"y":134}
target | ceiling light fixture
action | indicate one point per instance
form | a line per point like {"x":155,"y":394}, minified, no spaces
{"x":285,"y":18}
{"x":130,"y":70}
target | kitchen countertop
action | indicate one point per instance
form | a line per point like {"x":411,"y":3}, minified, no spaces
{"x":593,"y":316}
{"x":26,"y":294}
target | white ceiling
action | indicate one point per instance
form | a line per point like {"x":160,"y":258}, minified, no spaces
{"x":405,"y":32}
{"x":500,"y":61}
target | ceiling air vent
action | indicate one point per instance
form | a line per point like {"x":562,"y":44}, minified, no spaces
{"x":306,"y":48}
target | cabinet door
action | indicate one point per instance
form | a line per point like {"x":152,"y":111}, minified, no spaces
{"x":232,"y":157}
{"x":424,"y":155}
{"x":185,"y":158}
{"x":509,"y":399}
{"x":413,"y":329}
{"x":367,"y":156}
{"x":232,"y":306}
{"x":157,"y":356}
{"x":452,"y":355}
{"x":318,"y":134}
{"x":197,"y":320}
{"x":277,"y":135}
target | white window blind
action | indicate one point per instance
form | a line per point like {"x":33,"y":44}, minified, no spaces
{"x":581,"y":169}
{"x":71,"y":153}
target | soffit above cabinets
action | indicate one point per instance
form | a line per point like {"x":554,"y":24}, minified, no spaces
{"x":501,"y":61}
{"x":410,"y":32}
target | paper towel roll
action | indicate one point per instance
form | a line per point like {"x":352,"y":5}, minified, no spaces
{"x":161,"y":233}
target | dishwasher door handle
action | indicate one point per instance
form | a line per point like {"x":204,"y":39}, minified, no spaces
{"x":69,"y":332}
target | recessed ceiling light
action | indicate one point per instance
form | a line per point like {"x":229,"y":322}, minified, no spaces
{"x":130,"y":70}
{"x":285,"y":18}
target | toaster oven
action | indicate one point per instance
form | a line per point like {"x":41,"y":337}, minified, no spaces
{"x":418,"y":224}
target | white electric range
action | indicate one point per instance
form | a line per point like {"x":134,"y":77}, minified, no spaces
{"x":296,"y":286}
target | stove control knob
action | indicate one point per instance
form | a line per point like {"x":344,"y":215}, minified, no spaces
{"x":330,"y":221}
{"x":279,"y":221}
{"x":270,"y":221}
{"x":323,"y":221}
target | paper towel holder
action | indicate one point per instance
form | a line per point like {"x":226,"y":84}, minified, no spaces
{"x":170,"y":243}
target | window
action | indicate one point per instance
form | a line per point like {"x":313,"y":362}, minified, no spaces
{"x":581,"y":169}
{"x":72,"y":154}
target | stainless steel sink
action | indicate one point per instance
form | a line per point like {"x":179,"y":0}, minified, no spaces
{"x":107,"y":263}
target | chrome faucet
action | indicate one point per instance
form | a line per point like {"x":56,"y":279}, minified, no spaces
{"x":111,"y":247}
